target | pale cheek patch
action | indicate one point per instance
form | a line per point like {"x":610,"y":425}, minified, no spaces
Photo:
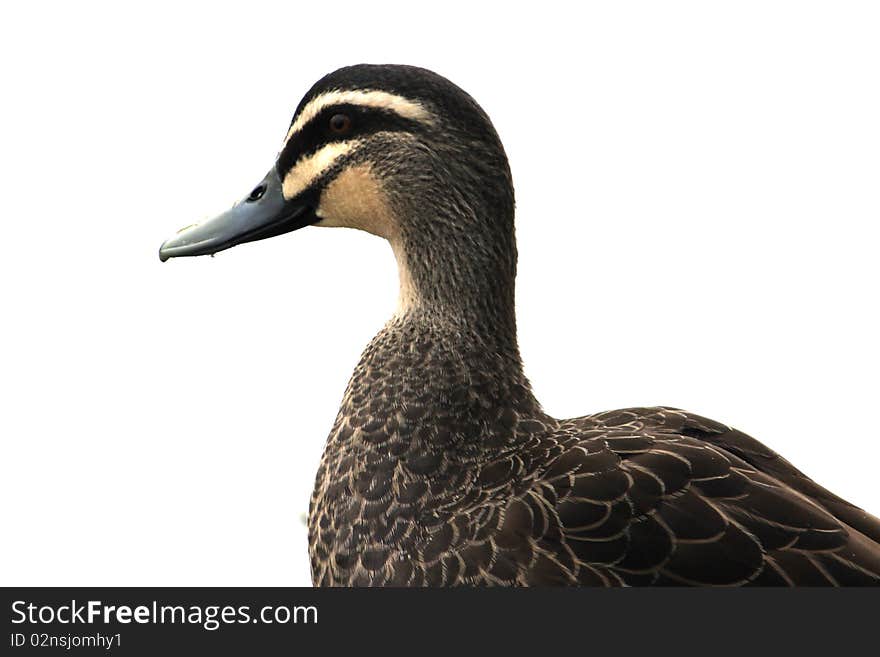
{"x":408,"y":109}
{"x":355,"y":199}
{"x":310,"y":168}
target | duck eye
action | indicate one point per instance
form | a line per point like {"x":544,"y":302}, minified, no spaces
{"x":340,"y":123}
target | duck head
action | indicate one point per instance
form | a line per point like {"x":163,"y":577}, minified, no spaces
{"x":402,"y":153}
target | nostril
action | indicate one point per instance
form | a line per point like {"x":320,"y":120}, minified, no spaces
{"x":257,"y":194}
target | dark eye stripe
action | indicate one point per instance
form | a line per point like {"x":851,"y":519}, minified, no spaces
{"x":316,"y":133}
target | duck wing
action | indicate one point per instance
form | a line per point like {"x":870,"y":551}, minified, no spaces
{"x":659,"y":496}
{"x":765,"y":460}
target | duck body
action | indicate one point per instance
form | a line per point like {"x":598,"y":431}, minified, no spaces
{"x":441,"y":467}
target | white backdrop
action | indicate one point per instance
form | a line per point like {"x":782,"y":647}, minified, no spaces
{"x":697,"y":221}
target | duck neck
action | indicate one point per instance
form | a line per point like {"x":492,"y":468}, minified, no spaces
{"x":429,"y":384}
{"x":459,"y":276}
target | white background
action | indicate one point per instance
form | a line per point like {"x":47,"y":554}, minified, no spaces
{"x":698,"y":205}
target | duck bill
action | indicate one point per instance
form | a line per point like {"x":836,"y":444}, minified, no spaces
{"x":262,"y":214}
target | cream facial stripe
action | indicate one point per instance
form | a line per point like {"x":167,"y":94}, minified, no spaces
{"x":307,"y":169}
{"x":408,"y":109}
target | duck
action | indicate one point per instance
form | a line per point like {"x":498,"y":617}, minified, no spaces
{"x":441,"y":468}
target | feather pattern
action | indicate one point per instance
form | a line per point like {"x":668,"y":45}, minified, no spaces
{"x":485,"y":489}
